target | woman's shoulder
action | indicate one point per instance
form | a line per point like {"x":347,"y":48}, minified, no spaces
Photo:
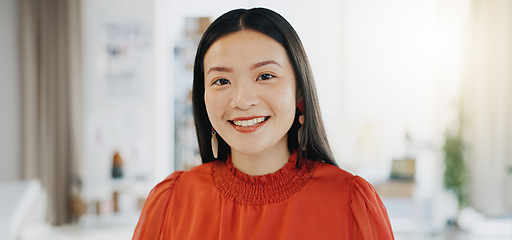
{"x":341,"y":178}
{"x":158,"y":201}
{"x":187,"y":178}
{"x":367,"y":208}
{"x":369,"y":212}
{"x":333,"y":174}
{"x":199,"y":171}
{"x":196,"y":174}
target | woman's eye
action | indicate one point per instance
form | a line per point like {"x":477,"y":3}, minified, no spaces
{"x":265,"y":76}
{"x":221,"y":81}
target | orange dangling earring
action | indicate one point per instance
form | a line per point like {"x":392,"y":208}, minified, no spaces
{"x":215,"y":144}
{"x":300,"y":105}
{"x":299,"y":133}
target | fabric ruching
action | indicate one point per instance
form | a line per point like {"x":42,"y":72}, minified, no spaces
{"x":260,"y":190}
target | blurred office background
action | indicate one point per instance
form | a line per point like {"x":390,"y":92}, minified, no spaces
{"x":95,"y":108}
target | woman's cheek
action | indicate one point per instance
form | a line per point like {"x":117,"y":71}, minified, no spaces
{"x":213,"y":107}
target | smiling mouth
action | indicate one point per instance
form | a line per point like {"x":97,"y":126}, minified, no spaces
{"x":249,"y":122}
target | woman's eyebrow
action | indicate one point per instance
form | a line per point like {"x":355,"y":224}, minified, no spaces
{"x":256,"y":65}
{"x":261,"y":64}
{"x":219,"y":69}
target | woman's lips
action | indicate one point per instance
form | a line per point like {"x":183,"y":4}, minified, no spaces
{"x":249,"y":124}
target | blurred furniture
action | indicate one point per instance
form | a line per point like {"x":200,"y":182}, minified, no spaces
{"x":116,"y":202}
{"x":19,"y":198}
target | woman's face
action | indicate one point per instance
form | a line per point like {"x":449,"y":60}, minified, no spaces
{"x":249,"y":91}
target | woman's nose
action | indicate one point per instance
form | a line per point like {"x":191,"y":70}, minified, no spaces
{"x":244,"y":96}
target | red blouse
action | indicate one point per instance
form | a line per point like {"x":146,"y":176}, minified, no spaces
{"x":216,"y":201}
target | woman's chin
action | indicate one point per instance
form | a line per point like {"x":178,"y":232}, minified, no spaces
{"x":247,"y":150}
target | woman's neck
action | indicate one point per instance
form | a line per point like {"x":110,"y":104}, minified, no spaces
{"x":266,"y":162}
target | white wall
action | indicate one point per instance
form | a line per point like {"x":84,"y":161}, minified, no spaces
{"x":125,"y":98}
{"x":9,"y":93}
{"x":389,"y":71}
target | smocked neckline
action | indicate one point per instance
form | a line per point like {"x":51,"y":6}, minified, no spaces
{"x":265,"y":189}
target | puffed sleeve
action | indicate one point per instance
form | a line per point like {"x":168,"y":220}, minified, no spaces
{"x":371,"y":217}
{"x":155,"y":209}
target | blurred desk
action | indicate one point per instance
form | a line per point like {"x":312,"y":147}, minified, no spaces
{"x":113,"y":199}
{"x":395,"y":189}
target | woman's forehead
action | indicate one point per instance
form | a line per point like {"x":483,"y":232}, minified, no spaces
{"x":245,"y":47}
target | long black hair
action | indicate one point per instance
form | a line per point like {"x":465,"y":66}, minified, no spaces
{"x":313,"y":143}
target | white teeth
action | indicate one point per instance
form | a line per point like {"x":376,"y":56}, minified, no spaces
{"x":248,"y":123}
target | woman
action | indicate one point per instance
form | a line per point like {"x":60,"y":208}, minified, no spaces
{"x":268,"y":171}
